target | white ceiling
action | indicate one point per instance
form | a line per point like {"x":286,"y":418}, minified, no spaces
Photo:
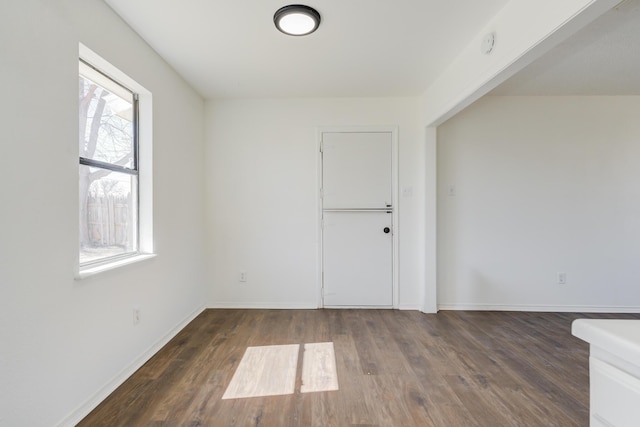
{"x":601,"y":59}
{"x":230,"y":48}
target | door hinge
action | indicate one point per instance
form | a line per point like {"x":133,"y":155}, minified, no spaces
{"x":322,"y":224}
{"x":322,"y":192}
{"x":321,"y":146}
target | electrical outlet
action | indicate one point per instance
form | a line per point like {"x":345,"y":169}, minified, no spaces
{"x":242,"y":276}
{"x":136,"y":314}
{"x":562,"y":278}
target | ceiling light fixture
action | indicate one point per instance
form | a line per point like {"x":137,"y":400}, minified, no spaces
{"x":297,"y":20}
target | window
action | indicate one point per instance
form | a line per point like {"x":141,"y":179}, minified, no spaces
{"x":115,"y":156}
{"x":115,"y":167}
{"x":109,"y":172}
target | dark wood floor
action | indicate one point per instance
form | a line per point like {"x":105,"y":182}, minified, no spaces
{"x":395,"y":368}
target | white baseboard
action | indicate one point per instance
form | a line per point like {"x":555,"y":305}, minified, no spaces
{"x":289,"y":306}
{"x":77,"y":415}
{"x":358,"y":307}
{"x":264,"y":305}
{"x":409,"y":307}
{"x":541,"y":308}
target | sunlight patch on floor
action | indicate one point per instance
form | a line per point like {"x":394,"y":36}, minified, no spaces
{"x":319,"y":368}
{"x":265,"y":371}
{"x":271,"y":371}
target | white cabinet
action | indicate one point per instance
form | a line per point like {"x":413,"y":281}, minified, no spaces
{"x":614,"y":370}
{"x":614,"y":395}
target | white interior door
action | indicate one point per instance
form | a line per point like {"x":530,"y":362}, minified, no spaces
{"x":356,"y":170}
{"x":358,"y":259}
{"x":357,"y":236}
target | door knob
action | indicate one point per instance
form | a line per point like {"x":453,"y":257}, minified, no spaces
{"x":386,"y":229}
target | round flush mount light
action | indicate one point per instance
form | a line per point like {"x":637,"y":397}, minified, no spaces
{"x":297,"y":19}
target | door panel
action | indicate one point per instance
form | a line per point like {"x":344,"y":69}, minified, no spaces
{"x":357,"y":259}
{"x":356,"y":170}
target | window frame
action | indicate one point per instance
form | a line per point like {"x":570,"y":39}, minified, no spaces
{"x":141,"y":165}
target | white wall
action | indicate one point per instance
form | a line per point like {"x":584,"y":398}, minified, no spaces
{"x":524,"y":31}
{"x":262,"y":186}
{"x":63,"y":343}
{"x":542,"y":185}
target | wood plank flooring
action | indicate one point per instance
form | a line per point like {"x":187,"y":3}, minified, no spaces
{"x":395,"y":368}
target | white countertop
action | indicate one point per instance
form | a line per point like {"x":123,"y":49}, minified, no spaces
{"x":620,"y":337}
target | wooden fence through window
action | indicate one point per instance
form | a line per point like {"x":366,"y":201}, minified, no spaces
{"x":109,"y":220}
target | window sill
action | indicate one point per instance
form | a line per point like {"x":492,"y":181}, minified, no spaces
{"x":96,"y":269}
